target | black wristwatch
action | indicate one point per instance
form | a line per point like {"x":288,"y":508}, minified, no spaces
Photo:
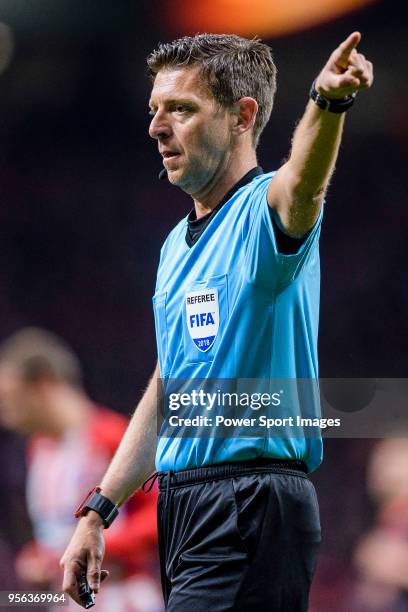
{"x":333,"y":105}
{"x":106,"y":509}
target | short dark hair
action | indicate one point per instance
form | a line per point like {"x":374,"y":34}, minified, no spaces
{"x":232,"y":66}
{"x":37,"y":354}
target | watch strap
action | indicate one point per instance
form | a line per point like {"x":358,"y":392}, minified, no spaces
{"x":106,"y":509}
{"x":333,"y":105}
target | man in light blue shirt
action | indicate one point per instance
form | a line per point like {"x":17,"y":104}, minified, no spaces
{"x":261,"y":322}
{"x":236,"y":299}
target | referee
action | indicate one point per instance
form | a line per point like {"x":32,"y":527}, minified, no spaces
{"x":237,"y":296}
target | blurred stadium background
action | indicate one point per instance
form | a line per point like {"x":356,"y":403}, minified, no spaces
{"x":83,"y":214}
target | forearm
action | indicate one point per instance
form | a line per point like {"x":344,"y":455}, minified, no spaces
{"x":131,"y":465}
{"x":134,"y":458}
{"x":317,"y":138}
{"x":314,"y":152}
{"x":297,"y":190}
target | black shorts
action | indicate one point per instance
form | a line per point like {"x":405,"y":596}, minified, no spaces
{"x":238,"y":536}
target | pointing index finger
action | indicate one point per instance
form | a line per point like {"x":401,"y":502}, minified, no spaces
{"x":346,"y":47}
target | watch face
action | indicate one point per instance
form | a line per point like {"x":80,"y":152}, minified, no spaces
{"x":82,"y":505}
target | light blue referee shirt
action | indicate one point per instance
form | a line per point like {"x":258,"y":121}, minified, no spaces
{"x":233,"y":307}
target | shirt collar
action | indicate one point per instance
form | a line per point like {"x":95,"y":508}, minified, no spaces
{"x":195,"y":227}
{"x":247,"y":178}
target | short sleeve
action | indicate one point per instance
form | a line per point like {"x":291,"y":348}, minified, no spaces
{"x":266,"y":267}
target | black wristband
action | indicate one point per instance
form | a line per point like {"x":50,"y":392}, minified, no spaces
{"x":333,"y":105}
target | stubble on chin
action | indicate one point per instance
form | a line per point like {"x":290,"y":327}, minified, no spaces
{"x":182,"y":179}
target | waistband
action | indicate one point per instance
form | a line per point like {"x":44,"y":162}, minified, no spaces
{"x":171,"y":480}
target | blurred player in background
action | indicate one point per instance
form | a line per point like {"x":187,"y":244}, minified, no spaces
{"x":382,"y":554}
{"x":71,"y":442}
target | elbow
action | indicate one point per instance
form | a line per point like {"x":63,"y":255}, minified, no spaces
{"x":307,"y":187}
{"x":305,"y":197}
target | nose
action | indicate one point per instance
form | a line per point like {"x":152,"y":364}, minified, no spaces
{"x":159,"y":127}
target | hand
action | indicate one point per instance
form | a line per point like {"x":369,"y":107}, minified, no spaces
{"x":346,"y":72}
{"x":84,"y":553}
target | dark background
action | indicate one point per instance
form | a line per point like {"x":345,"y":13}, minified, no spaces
{"x":83,"y":217}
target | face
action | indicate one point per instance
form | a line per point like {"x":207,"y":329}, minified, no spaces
{"x":194,"y":134}
{"x":19,"y":409}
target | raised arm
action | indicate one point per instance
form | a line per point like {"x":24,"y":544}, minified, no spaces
{"x":131,"y":465}
{"x":298,"y":188}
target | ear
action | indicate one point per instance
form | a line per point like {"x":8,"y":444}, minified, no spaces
{"x":244,"y":111}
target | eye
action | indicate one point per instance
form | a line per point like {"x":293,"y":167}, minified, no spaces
{"x":181,"y":108}
{"x":151,"y":112}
